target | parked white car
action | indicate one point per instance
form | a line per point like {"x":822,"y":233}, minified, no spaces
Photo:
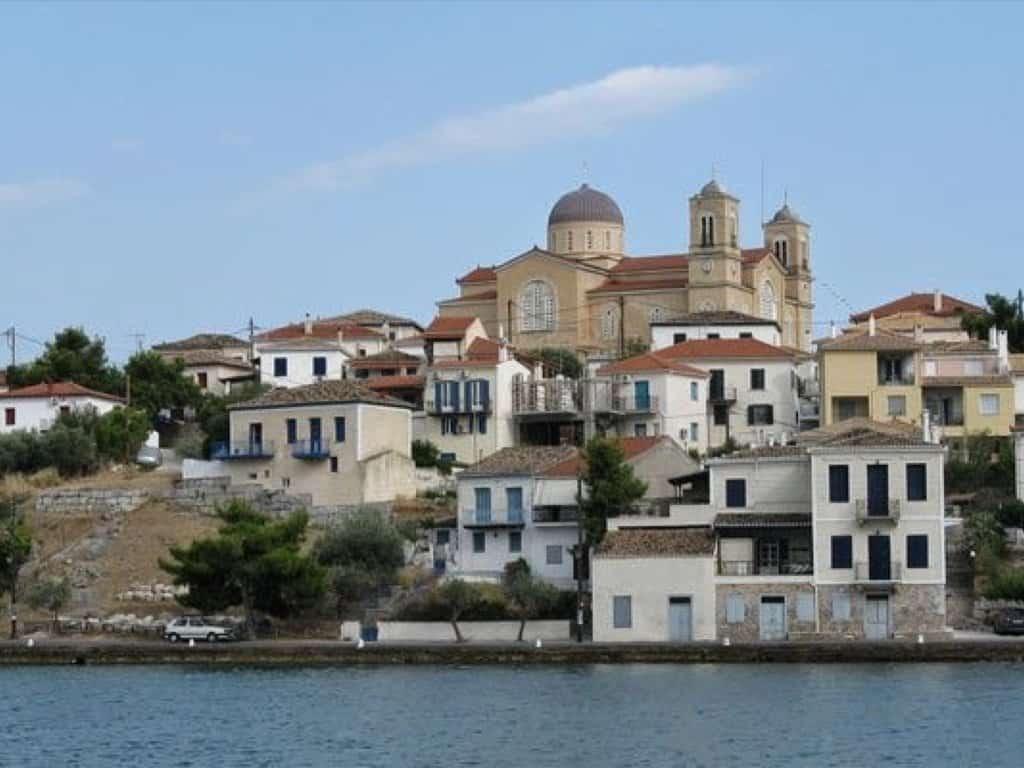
{"x":196,"y":628}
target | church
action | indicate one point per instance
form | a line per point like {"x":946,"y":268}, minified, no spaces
{"x":583,"y":292}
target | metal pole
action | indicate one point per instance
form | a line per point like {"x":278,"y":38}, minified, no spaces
{"x":622,"y":326}
{"x":579,"y":558}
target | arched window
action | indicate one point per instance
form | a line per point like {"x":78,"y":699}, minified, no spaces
{"x":655,"y":315}
{"x":803,"y":253}
{"x":607,"y":239}
{"x":552,"y":244}
{"x":590,"y":240}
{"x":609,"y":323}
{"x":568,"y":240}
{"x":707,"y":229}
{"x":734,"y":230}
{"x":768,"y":308}
{"x":537,"y":307}
{"x":781,"y":248}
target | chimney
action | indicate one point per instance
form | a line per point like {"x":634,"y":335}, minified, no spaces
{"x":926,"y":426}
{"x":833,"y":330}
{"x":937,"y":301}
{"x":1003,"y":345}
{"x":993,"y":338}
{"x":871,"y":325}
{"x":308,"y":329}
{"x":341,"y":336}
{"x":386,"y":330}
{"x":919,"y":333}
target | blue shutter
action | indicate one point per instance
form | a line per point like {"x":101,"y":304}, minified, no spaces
{"x":339,"y":429}
{"x":469,"y":394}
{"x":482,"y":423}
{"x":437,"y":395}
{"x":735,"y":493}
{"x":485,"y":395}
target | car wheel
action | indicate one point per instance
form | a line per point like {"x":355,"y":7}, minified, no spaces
{"x":173,"y":637}
{"x":211,"y":638}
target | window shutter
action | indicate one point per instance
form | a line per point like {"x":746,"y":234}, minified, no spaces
{"x":469,"y":393}
{"x":841,"y":606}
{"x":485,"y":394}
{"x":438,"y":401}
{"x":735,"y":609}
{"x":805,"y":607}
{"x":482,"y":424}
{"x":455,"y":395}
{"x":770,"y":411}
{"x":750,"y":415}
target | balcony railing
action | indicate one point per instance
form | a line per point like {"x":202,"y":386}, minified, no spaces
{"x":555,"y":516}
{"x":904,"y":380}
{"x":443,"y":409}
{"x":628,"y":404}
{"x":236,"y":450}
{"x":753,"y":568}
{"x":722,"y":395}
{"x":498,"y":518}
{"x":311,"y":449}
{"x":546,"y":396}
{"x":877,"y":513}
{"x":877,"y":572}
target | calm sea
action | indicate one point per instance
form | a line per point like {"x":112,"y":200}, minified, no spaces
{"x":442,"y":717}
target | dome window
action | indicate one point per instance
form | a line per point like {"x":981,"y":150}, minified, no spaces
{"x":607,"y":239}
{"x":590,"y":240}
{"x":568,"y":240}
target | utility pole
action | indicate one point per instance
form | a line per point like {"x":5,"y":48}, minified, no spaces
{"x":128,"y":390}
{"x":138,"y":340}
{"x":252,"y":339}
{"x":579,"y":556}
{"x":510,"y":322}
{"x":622,"y":327}
{"x":12,"y":336}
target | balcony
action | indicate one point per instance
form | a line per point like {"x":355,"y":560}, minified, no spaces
{"x":722,"y":395}
{"x":753,"y":568}
{"x":555,"y":515}
{"x":311,"y":449}
{"x":454,"y":409}
{"x":902,"y":380}
{"x":876,"y":572}
{"x":492,"y":518}
{"x":870,"y":511}
{"x":547,"y":396}
{"x":626,"y":404}
{"x":239,"y":450}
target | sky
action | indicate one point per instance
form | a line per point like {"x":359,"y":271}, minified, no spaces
{"x":167,"y":169}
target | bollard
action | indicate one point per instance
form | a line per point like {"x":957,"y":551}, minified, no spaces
{"x":191,"y":642}
{"x":360,"y":644}
{"x":538,"y":645}
{"x":726,"y":641}
{"x":30,"y":643}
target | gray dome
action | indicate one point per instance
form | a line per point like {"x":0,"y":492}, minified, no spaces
{"x":585,"y":204}
{"x":712,"y":189}
{"x":785,"y":215}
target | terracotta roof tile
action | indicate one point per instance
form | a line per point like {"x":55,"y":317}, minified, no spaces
{"x":632,"y":447}
{"x":384,"y":383}
{"x":203,"y":357}
{"x":652,"y":361}
{"x":471,"y":297}
{"x":389,"y":358}
{"x":659,"y":541}
{"x":321,"y":329}
{"x":321,"y":393}
{"x":623,"y":286}
{"x":479,"y":275}
{"x":923,"y":303}
{"x":372,"y":317}
{"x":445,"y":328}
{"x":59,"y":389}
{"x":716,"y":348}
{"x":521,"y":460}
{"x":722,"y":317}
{"x":651,"y":263}
{"x":865,"y":342}
{"x":201,"y":341}
{"x":754,"y":255}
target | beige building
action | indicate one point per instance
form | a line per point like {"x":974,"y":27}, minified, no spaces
{"x":214,"y":361}
{"x":337,"y":441}
{"x":933,"y":316}
{"x":583,"y":291}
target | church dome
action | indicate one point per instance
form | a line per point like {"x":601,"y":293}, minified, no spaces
{"x":585,"y":204}
{"x":712,"y":189}
{"x":786,"y":215}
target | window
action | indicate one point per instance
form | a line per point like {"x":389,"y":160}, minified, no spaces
{"x":609,"y":324}
{"x":339,"y":429}
{"x":841,"y":606}
{"x":678,"y":338}
{"x":640,"y":430}
{"x":553,"y":554}
{"x":9,"y":417}
{"x":319,"y":366}
{"x":449,"y":425}
{"x":842,"y":552}
{"x":590,"y":240}
{"x":479,"y":542}
{"x":280,"y":366}
{"x":607,"y":240}
{"x":622,"y":612}
{"x":654,"y":316}
{"x":838,"y":483}
{"x":989,"y":405}
{"x":514,"y":503}
{"x":707,"y":230}
{"x":759,"y":415}
{"x":568,"y":240}
{"x":482,"y":507}
{"x":515,"y":541}
{"x":291,"y":429}
{"x":746,"y":335}
{"x":735,"y":608}
{"x":721,"y":415}
{"x":537,"y":306}
{"x":694,"y":431}
{"x":768,"y":309}
{"x":917,"y":551}
{"x":334,"y":464}
{"x":781,"y":248}
{"x":202,"y":380}
{"x":917,"y":482}
{"x":897,"y":405}
{"x":736,"y":492}
{"x":481,"y":423}
{"x":694,"y":390}
{"x":714,"y":335}
{"x":805,"y":607}
{"x":757,"y":378}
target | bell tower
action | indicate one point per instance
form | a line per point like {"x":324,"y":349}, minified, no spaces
{"x":716,"y":261}
{"x":789,"y":238}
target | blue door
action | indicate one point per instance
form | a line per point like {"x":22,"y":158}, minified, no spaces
{"x":315,"y":436}
{"x":680,"y":620}
{"x":878,"y":489}
{"x":482,"y":513}
{"x":642,"y":395}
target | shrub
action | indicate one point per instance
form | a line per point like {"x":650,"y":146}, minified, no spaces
{"x":70,"y":450}
{"x":1007,"y":584}
{"x":191,"y":446}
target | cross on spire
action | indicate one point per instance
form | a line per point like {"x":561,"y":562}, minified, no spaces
{"x":586,"y":171}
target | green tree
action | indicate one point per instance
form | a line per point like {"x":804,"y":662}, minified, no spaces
{"x":611,"y":487}
{"x":529,"y":598}
{"x":71,"y":356}
{"x":50,"y":595}
{"x":158,"y":384}
{"x":1003,"y":313}
{"x":70,"y":450}
{"x":457,"y":597}
{"x":985,"y":537}
{"x":252,"y":562}
{"x":15,"y":550}
{"x":363,"y":552}
{"x":557,"y":360}
{"x":121,"y":432}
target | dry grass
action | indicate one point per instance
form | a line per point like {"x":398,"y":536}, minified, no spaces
{"x":126,"y":477}
{"x":18,"y":484}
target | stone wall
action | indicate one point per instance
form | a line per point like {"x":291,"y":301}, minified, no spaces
{"x":749,"y":630}
{"x":76,"y":501}
{"x":913,"y":609}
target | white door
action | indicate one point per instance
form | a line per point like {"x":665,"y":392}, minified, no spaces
{"x":876,"y":617}
{"x":773,"y":618}
{"x":680,"y":620}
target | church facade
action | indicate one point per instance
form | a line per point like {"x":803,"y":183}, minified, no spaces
{"x":583,"y":292}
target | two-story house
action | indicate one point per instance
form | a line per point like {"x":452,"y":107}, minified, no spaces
{"x":315,"y":350}
{"x":336,"y":441}
{"x":722,"y":324}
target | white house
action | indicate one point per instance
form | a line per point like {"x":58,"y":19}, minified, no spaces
{"x":652,"y":395}
{"x":314,"y":350}
{"x":38,"y":406}
{"x":214,"y":361}
{"x":752,"y":390}
{"x":727,"y":324}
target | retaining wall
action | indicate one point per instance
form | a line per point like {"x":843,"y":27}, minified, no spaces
{"x":486,"y":631}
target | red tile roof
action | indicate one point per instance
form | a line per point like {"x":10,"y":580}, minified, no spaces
{"x":444,"y":328}
{"x":632,"y":447}
{"x":60,"y":389}
{"x":391,"y":358}
{"x":618,"y":286}
{"x":650,"y":263}
{"x":479,"y":296}
{"x":479,"y":275}
{"x":322,"y":329}
{"x":754,"y":255}
{"x":482,"y":352}
{"x":651,"y":361}
{"x":385,"y":383}
{"x":736,"y":348}
{"x":923,"y":303}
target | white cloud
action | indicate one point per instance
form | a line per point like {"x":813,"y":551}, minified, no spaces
{"x":41,"y":191}
{"x":571,"y":113}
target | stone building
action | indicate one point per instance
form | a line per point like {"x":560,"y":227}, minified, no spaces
{"x":583,"y":291}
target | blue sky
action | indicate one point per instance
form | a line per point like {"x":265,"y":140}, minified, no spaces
{"x":167,"y":169}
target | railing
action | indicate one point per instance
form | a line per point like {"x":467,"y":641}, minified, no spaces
{"x":752,"y":568}
{"x":242,"y":449}
{"x":438,"y":409}
{"x":633,"y":404}
{"x":881,"y":572}
{"x":548,"y":396}
{"x":906,"y":380}
{"x":493,"y":516}
{"x":867,"y":512}
{"x":956,"y":420}
{"x":722,"y":395}
{"x":567,"y":515}
{"x":311,"y":449}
